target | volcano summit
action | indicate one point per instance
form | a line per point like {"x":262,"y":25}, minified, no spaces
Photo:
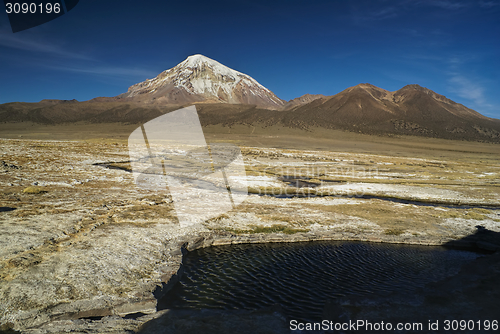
{"x":201,"y":79}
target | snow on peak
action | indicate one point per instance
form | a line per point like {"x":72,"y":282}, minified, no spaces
{"x":201,"y":75}
{"x":199,"y":61}
{"x":196,"y":60}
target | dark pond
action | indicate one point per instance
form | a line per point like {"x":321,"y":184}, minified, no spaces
{"x":6,"y":209}
{"x":301,"y":277}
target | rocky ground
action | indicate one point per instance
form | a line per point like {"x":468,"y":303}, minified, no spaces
{"x":85,"y":250}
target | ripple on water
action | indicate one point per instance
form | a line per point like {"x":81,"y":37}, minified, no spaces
{"x":302,"y":277}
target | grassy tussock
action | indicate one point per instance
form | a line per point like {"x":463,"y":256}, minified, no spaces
{"x":276,"y":228}
{"x":34,"y":190}
{"x":476,"y":214}
{"x":394,"y":232}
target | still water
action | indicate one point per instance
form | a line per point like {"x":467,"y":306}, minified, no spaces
{"x":302,"y":277}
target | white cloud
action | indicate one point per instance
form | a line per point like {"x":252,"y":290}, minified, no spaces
{"x":467,"y":89}
{"x":462,"y":85}
{"x":450,"y":5}
{"x":384,"y":13}
{"x":471,"y":86}
{"x":30,"y":42}
{"x":489,"y":4}
{"x":444,"y":4}
{"x":362,"y":15}
{"x":109,"y":71}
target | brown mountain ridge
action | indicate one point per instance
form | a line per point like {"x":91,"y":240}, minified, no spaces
{"x":411,"y":110}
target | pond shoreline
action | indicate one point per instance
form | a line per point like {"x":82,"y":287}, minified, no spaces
{"x":139,"y":311}
{"x":134,"y":314}
{"x":474,"y":243}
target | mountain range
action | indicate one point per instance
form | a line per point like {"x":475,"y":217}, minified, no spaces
{"x":225,"y":96}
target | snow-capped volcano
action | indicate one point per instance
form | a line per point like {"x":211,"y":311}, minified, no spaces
{"x":199,"y":78}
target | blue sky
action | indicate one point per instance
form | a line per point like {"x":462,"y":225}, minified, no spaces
{"x":102,"y":47}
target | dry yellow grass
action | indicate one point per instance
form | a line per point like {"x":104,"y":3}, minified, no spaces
{"x":34,"y":190}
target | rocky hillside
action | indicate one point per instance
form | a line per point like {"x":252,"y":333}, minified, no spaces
{"x":304,"y":99}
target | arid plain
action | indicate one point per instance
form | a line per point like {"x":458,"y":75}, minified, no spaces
{"x":83,"y":246}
